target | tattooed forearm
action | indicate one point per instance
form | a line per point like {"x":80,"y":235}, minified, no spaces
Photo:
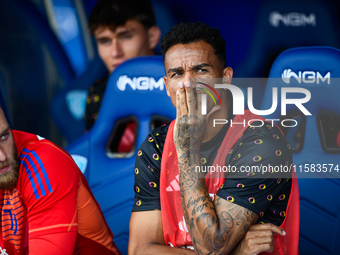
{"x":193,"y":202}
{"x":186,"y":182}
{"x":215,"y":227}
{"x":199,"y":208}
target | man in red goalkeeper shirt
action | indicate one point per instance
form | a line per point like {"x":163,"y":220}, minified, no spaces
{"x":46,"y":204}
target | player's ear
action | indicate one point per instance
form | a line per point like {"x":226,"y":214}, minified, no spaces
{"x":154,"y":34}
{"x":227,"y":75}
{"x":166,"y":85}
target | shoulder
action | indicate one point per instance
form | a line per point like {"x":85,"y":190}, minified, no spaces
{"x":45,"y":161}
{"x":156,"y":139}
{"x":47,"y":152}
{"x":160,"y":132}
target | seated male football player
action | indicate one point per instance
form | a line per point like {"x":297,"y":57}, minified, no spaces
{"x":46,"y":204}
{"x":179,"y":210}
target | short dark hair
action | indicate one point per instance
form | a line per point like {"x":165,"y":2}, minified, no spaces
{"x":185,"y":33}
{"x":113,"y":13}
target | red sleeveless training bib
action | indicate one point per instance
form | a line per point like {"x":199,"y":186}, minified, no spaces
{"x":176,"y":233}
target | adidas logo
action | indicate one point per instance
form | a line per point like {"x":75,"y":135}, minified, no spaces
{"x":174,"y":185}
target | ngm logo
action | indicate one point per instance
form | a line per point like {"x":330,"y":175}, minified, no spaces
{"x":293,"y":19}
{"x":140,"y":83}
{"x":305,"y":76}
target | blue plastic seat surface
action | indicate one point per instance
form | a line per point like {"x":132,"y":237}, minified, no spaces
{"x":319,"y":209}
{"x":286,"y":24}
{"x":135,"y":89}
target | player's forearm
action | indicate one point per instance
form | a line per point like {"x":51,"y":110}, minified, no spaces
{"x":156,"y":249}
{"x":209,"y":231}
{"x":215,"y":227}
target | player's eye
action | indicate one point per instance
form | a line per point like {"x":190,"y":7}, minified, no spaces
{"x":176,"y":74}
{"x":127,"y":36}
{"x":201,"y":70}
{"x":4,"y":136}
{"x":103,"y":41}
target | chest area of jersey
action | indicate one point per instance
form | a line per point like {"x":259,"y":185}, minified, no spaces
{"x":13,"y":219}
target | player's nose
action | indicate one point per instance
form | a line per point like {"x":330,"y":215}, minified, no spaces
{"x":116,"y":50}
{"x":3,"y":154}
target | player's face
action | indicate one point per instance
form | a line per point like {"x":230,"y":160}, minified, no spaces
{"x":194,"y":60}
{"x":128,"y":41}
{"x":9,"y":163}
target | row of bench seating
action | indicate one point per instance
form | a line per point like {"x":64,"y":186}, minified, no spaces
{"x":280,"y":25}
{"x":255,"y":31}
{"x":33,"y":69}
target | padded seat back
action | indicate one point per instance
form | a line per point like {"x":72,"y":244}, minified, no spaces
{"x":284,"y":24}
{"x":316,"y":69}
{"x":135,"y":90}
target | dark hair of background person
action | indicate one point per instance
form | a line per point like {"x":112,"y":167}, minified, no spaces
{"x":113,"y":13}
{"x":186,"y":33}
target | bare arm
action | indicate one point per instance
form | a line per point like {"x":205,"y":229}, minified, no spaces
{"x":215,"y":227}
{"x":146,"y":235}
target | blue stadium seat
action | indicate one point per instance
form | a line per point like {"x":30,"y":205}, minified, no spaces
{"x":316,"y":69}
{"x":68,"y":106}
{"x":135,"y":90}
{"x":284,"y":24}
{"x":165,"y":19}
{"x":34,"y":65}
{"x":68,"y":20}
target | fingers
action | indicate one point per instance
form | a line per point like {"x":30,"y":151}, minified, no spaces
{"x":256,"y":241}
{"x":261,"y":240}
{"x":256,"y":245}
{"x":178,"y":109}
{"x":189,"y":98}
{"x":268,"y":226}
{"x":181,"y":101}
{"x":263,"y":247}
{"x":259,"y":233}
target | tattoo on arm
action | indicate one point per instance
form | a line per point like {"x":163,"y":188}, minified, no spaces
{"x":215,"y":227}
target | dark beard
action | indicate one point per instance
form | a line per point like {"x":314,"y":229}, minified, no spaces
{"x":9,"y":179}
